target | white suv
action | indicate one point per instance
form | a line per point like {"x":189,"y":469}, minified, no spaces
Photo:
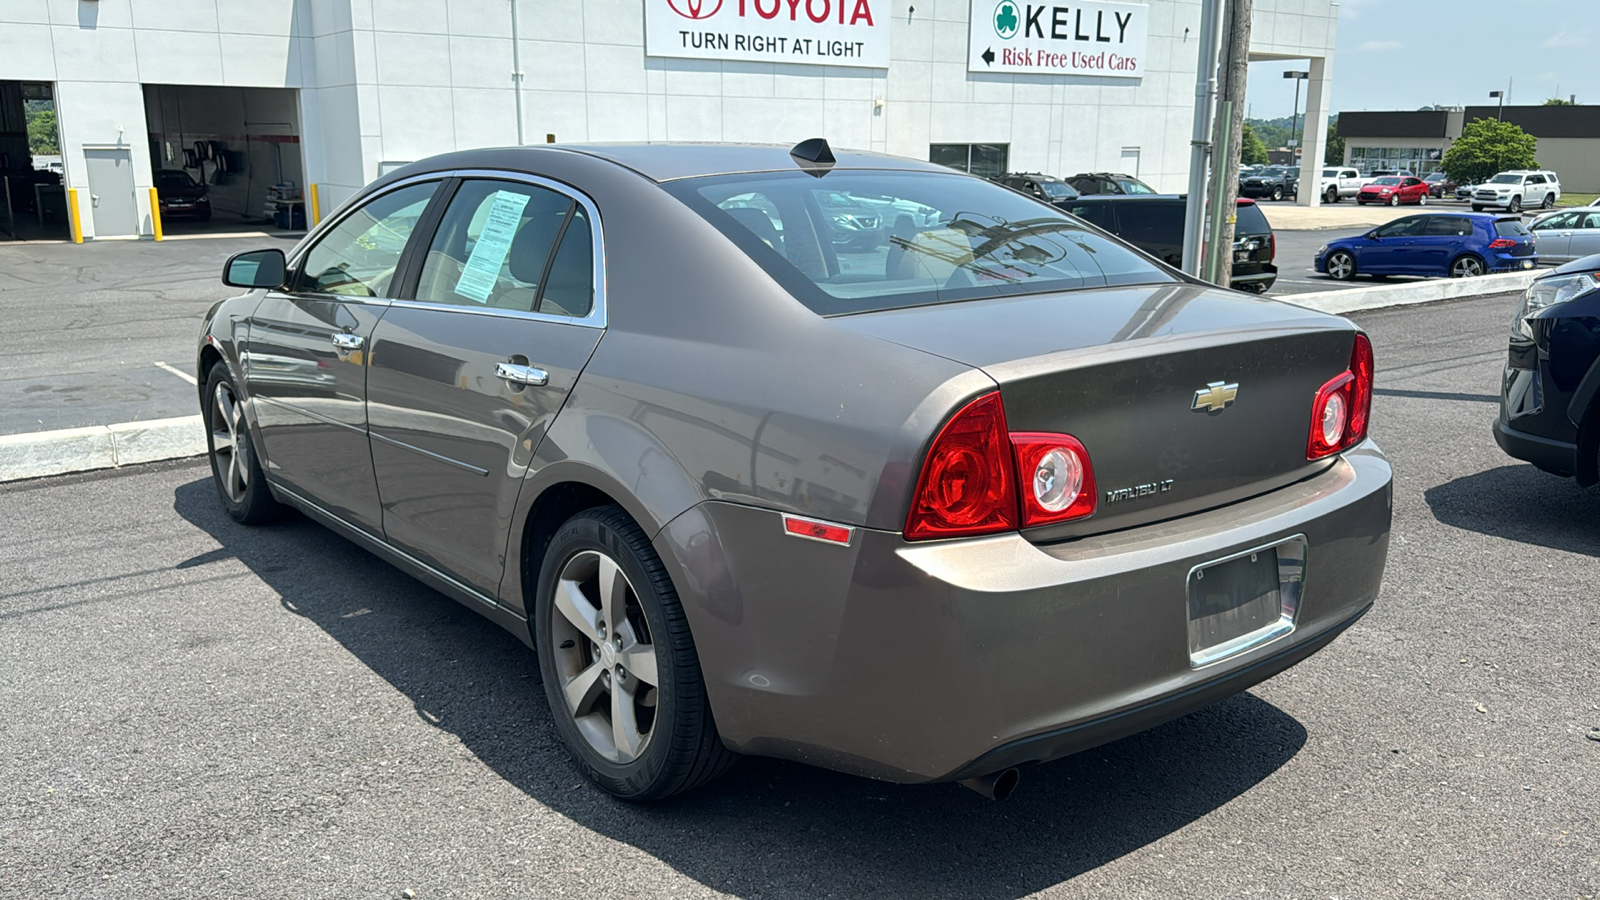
{"x":1516,"y":189}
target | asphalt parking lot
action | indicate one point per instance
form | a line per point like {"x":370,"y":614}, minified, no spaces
{"x":197,"y":709}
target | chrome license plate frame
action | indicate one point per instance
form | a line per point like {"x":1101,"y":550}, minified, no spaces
{"x":1244,"y":607}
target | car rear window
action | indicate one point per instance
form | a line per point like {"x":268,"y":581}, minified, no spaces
{"x":1510,"y":227}
{"x":861,"y":240}
{"x":1251,"y":220}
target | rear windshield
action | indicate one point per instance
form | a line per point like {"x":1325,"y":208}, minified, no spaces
{"x":1510,"y":227}
{"x":1250,"y":220}
{"x":861,"y":240}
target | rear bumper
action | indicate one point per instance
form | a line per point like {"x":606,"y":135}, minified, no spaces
{"x":1558,"y":457}
{"x":939,"y":660}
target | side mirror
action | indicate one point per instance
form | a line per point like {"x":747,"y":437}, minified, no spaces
{"x":1371,"y":235}
{"x":255,"y":269}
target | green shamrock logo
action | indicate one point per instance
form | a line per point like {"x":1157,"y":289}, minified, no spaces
{"x":1005,"y":20}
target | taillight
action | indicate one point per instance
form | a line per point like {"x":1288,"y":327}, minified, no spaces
{"x":1343,"y":407}
{"x":967,"y":486}
{"x":1272,"y":246}
{"x":1057,"y":480}
{"x":980,"y":479}
{"x":1502,"y":244}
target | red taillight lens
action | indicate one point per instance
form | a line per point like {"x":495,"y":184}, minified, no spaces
{"x":1343,"y":407}
{"x":967,"y":486}
{"x":1272,"y":244}
{"x":1502,"y":244}
{"x":1057,"y":481}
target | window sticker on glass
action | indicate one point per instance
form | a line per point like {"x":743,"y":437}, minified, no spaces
{"x":482,"y":271}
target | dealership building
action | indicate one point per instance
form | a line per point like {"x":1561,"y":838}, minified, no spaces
{"x":1569,"y":139}
{"x":284,"y":108}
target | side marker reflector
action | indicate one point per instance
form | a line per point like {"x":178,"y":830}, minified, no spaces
{"x":811,"y":529}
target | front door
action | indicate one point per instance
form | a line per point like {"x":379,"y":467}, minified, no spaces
{"x":305,"y":356}
{"x":1554,"y":234}
{"x":465,"y":379}
{"x":112,"y":206}
{"x":1391,"y":249}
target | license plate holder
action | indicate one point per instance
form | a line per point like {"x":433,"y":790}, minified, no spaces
{"x":1241,"y":256}
{"x":1244,"y":600}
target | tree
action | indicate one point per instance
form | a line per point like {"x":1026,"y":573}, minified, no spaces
{"x":1334,"y":154}
{"x":42,"y":133}
{"x":1252,"y":151}
{"x":1487,"y":146}
{"x":1557,"y":101}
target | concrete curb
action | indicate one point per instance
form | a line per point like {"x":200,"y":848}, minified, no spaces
{"x":1410,"y":293}
{"x":99,"y":447}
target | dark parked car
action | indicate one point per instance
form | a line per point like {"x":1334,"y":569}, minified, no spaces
{"x":1087,"y":183}
{"x":1002,"y":492}
{"x":1459,"y":245}
{"x":180,"y":196}
{"x":1048,"y":188}
{"x":1439,"y":185}
{"x":1154,"y":224}
{"x":1273,"y":182}
{"x":1549,"y":408}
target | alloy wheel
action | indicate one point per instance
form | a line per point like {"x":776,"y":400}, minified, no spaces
{"x":1466,"y":267}
{"x":1516,"y":205}
{"x":604,"y":657}
{"x":1341,"y":266}
{"x":228,"y":444}
{"x":1332,"y":196}
{"x":1394,"y":200}
{"x":1422,"y":200}
{"x":1549,"y":202}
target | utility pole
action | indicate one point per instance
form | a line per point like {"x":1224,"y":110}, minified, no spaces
{"x":1200,"y":149}
{"x":1230,"y":121}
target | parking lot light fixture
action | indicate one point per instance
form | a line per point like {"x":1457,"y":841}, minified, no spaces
{"x":1294,"y":120}
{"x":1501,"y":96}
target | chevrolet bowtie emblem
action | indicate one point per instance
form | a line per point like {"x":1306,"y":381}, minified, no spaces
{"x":1215,"y":396}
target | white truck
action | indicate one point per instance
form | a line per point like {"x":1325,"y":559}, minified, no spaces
{"x":1340,"y":181}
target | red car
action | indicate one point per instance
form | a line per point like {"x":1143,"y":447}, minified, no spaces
{"x":1394,"y":190}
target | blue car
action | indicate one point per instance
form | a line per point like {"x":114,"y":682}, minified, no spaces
{"x":1549,"y":411}
{"x":1459,"y":245}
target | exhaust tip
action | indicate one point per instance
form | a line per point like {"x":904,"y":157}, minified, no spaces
{"x":997,"y":786}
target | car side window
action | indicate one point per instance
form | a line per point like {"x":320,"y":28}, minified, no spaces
{"x":1447,"y":226}
{"x":358,"y":257}
{"x":1408,"y":227}
{"x":493,"y":246}
{"x":1591,"y":220}
{"x":1536,"y":179}
{"x":1556,"y":222}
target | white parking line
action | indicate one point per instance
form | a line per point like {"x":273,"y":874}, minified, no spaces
{"x":178,"y":372}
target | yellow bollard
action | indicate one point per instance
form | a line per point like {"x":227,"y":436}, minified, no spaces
{"x":155,"y":212}
{"x":316,"y":208}
{"x":72,"y":215}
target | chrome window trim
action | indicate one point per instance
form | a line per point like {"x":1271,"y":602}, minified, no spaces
{"x":316,"y":235}
{"x":597,"y":314}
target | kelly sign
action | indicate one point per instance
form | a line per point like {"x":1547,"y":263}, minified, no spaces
{"x":818,"y":32}
{"x":1061,"y":38}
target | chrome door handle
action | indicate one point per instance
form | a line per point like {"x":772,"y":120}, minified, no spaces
{"x":522,"y":374}
{"x":348,"y":341}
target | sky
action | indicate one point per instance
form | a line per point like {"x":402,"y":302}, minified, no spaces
{"x":1405,"y":55}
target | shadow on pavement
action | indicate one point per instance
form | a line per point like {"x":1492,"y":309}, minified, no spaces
{"x":769,"y":828}
{"x":1521,"y":503}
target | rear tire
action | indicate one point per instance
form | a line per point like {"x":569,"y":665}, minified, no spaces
{"x":1477,"y":207}
{"x":235,"y":466}
{"x":1549,"y":202}
{"x":1468,"y":266}
{"x":606,"y":622}
{"x":1422,"y":200}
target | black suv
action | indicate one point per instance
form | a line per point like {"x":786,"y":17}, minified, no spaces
{"x":1087,"y":183}
{"x":1275,"y":182}
{"x":1048,"y":188}
{"x":1154,"y":224}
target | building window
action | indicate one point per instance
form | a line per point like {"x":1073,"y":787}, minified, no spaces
{"x":988,"y":160}
{"x":1418,"y":160}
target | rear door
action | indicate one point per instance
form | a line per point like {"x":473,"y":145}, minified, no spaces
{"x":1440,"y":240}
{"x":467,"y":373}
{"x":1585,"y":237}
{"x":305,"y":355}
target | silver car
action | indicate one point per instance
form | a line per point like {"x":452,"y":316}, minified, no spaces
{"x":994,"y":492}
{"x":1568,"y":234}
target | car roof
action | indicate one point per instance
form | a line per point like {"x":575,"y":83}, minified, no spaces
{"x":668,"y":161}
{"x":1132,"y":198}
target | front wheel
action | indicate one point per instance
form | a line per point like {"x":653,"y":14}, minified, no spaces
{"x":1341,"y":266}
{"x":235,"y":469}
{"x":1394,"y":200}
{"x":619,"y":666}
{"x":1422,"y":200}
{"x":1332,"y":196}
{"x":1516,"y":205}
{"x":1466,"y":267}
{"x":1277,"y":193}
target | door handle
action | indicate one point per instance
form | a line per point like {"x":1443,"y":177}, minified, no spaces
{"x":348,"y":341}
{"x":516,"y":374}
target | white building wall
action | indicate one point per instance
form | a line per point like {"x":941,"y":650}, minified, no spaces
{"x":398,"y":80}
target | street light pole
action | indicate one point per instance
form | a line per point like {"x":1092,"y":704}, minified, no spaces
{"x":1296,"y":131}
{"x":1500,"y":113}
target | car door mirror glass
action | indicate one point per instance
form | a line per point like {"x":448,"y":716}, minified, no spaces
{"x":255,"y":269}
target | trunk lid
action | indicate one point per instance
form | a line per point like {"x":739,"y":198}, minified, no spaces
{"x":1120,"y":370}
